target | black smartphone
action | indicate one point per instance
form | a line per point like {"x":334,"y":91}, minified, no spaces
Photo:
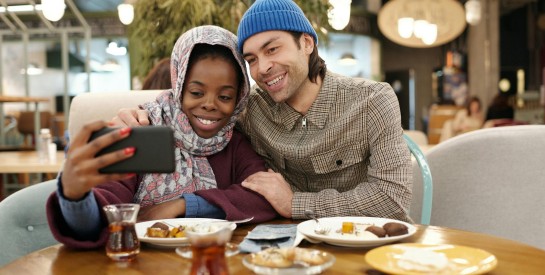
{"x":154,"y":150}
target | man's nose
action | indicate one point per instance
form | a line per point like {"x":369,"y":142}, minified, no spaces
{"x":265,"y":66}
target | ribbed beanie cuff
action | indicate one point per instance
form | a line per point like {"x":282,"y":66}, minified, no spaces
{"x":270,"y":15}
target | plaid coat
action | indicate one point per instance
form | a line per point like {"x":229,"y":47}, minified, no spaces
{"x":345,"y":157}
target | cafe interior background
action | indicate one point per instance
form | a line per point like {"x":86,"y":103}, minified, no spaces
{"x":473,"y":45}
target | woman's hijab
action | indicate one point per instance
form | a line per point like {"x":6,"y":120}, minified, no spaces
{"x":193,"y":171}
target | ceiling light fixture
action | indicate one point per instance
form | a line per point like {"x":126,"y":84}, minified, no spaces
{"x":473,"y":12}
{"x":348,"y":59}
{"x":32,"y":69}
{"x":53,"y":10}
{"x":114,"y":49}
{"x":339,"y":13}
{"x":126,"y":13}
{"x":421,"y":23}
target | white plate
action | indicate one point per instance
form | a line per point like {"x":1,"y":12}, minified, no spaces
{"x":460,"y":259}
{"x":142,"y":227}
{"x":335,"y":238}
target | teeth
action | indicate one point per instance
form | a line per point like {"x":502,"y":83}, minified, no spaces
{"x":274,"y":81}
{"x":206,"y":121}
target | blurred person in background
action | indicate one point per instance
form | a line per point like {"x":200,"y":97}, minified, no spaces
{"x":468,"y":119}
{"x":159,"y":77}
{"x":500,"y":108}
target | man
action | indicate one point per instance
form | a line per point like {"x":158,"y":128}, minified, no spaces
{"x":334,"y":144}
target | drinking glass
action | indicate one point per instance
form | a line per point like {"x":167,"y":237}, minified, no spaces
{"x":208,"y":242}
{"x":123,"y":244}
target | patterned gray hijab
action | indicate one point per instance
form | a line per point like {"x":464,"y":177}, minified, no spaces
{"x":193,"y":171}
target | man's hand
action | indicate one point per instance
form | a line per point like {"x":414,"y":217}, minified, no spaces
{"x":166,"y":210}
{"x":274,"y":188}
{"x":131,"y":117}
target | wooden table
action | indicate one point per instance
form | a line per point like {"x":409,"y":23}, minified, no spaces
{"x":25,"y":162}
{"x":21,"y":99}
{"x":28,"y":162}
{"x":513,"y":257}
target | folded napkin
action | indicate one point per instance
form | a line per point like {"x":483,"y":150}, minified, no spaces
{"x":268,"y":235}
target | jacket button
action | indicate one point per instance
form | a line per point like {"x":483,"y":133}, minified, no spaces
{"x":30,"y":228}
{"x":339,"y":162}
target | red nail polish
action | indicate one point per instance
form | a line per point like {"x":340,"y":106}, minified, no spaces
{"x":129,"y":150}
{"x":125,"y":131}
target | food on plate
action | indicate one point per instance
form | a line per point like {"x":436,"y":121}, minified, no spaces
{"x":286,"y":257}
{"x":162,"y":230}
{"x":395,"y":229}
{"x":371,"y":231}
{"x":348,"y":228}
{"x":353,"y":228}
{"x":377,"y":230}
{"x":423,"y":260}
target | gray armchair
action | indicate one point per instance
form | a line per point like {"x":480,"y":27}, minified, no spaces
{"x":491,"y":181}
{"x":23,"y":222}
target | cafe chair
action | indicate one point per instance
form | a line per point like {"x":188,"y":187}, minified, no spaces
{"x":23,"y":222}
{"x":492,"y":181}
{"x":89,"y":107}
{"x":418,"y":137}
{"x":25,"y":125}
{"x":423,"y":192}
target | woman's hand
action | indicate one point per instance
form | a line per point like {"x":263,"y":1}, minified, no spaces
{"x":131,"y":117}
{"x":166,"y":210}
{"x":80,"y":172}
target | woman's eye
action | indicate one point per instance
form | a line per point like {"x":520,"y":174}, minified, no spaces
{"x":196,"y":93}
{"x":225,"y":97}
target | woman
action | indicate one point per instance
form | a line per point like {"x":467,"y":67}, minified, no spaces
{"x":469,"y":119}
{"x":210,"y":89}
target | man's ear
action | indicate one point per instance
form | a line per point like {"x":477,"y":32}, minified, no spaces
{"x":307,"y":43}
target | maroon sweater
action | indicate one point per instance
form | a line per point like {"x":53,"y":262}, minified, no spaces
{"x":231,"y":166}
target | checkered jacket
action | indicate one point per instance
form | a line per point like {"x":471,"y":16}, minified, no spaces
{"x":345,"y":157}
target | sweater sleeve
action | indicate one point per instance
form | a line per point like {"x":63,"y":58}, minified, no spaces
{"x":197,"y":207}
{"x":104,"y":194}
{"x":82,"y":216}
{"x":231,"y":166}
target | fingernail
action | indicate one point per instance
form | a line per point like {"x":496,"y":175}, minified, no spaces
{"x":129,"y":151}
{"x":111,"y":123}
{"x":130,"y":175}
{"x":125,"y":131}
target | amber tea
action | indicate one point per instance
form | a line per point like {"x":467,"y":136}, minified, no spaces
{"x":208,"y":247}
{"x":123,"y":244}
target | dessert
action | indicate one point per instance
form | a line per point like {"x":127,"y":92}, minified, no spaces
{"x":286,"y":257}
{"x":395,"y":229}
{"x":161,"y":230}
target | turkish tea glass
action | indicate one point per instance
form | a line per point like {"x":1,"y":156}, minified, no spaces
{"x":123,"y":244}
{"x":208,"y":242}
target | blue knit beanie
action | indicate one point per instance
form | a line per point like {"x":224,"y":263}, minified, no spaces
{"x":273,"y":15}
